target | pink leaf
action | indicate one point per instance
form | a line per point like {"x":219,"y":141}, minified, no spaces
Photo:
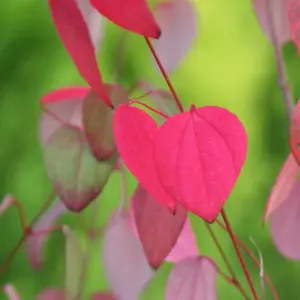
{"x":93,"y":20}
{"x":186,"y":245}
{"x":62,"y":106}
{"x":133,"y":15}
{"x":199,"y":155}
{"x":134,"y":131}
{"x":193,"y":278}
{"x":285,"y":224}
{"x":97,"y":121}
{"x":279,"y":19}
{"x":293,"y":8}
{"x":52,"y":294}
{"x":295,"y":133}
{"x":77,"y":177}
{"x":124,"y":259}
{"x":178,"y":23}
{"x":40,"y":230}
{"x":11,"y":292}
{"x":159,"y":237}
{"x":103,"y":296}
{"x":74,"y":33}
{"x":285,"y":181}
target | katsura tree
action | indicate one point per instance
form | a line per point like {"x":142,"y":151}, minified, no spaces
{"x":186,"y":160}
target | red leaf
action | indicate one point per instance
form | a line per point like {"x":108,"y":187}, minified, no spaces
{"x":102,"y":296}
{"x":124,"y":259}
{"x":61,"y":107}
{"x":293,"y":7}
{"x":74,"y":33}
{"x":295,"y":133}
{"x":133,"y":15}
{"x":285,"y":181}
{"x":199,"y":155}
{"x":52,"y":294}
{"x":279,"y":19}
{"x":285,"y":224}
{"x":134,"y":131}
{"x":193,"y":278}
{"x":97,"y":121}
{"x":40,"y":230}
{"x":178,"y":22}
{"x":186,"y":245}
{"x":159,"y":237}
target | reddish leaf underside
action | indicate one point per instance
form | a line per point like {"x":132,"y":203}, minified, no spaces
{"x":76,"y":175}
{"x":193,"y":278}
{"x":159,"y":237}
{"x":285,"y":224}
{"x":125,"y":263}
{"x":285,"y":181}
{"x":279,"y":18}
{"x":199,"y":155}
{"x":74,"y":33}
{"x":293,"y":7}
{"x":61,"y":107}
{"x":178,"y":22}
{"x":40,"y":230}
{"x":133,"y":15}
{"x":295,"y":133}
{"x":97,"y":121}
{"x":134,"y":131}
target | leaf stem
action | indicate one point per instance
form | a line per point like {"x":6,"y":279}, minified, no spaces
{"x":240,"y":257}
{"x":282,"y":78}
{"x":164,"y":73}
{"x":149,"y":107}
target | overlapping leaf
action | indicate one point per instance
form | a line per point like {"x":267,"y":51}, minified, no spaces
{"x":124,"y":260}
{"x":133,"y":15}
{"x":159,"y":237}
{"x":76,"y":175}
{"x":199,"y":155}
{"x":193,"y":278}
{"x":74,"y":33}
{"x":178,"y":22}
{"x":40,"y":230}
{"x":134,"y":131}
{"x":97,"y":121}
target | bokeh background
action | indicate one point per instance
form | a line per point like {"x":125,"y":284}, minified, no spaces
{"x":230,"y":65}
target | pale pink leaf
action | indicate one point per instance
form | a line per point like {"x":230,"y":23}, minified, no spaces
{"x":52,"y":294}
{"x":40,"y":230}
{"x":186,"y":245}
{"x":285,"y":224}
{"x":125,"y":263}
{"x":284,"y":183}
{"x":159,"y":237}
{"x":11,"y":292}
{"x":193,"y":278}
{"x":178,"y":22}
{"x":6,"y":203}
{"x":279,"y":18}
{"x":74,"y":33}
{"x":62,"y":106}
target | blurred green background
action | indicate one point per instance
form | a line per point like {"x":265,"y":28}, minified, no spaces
{"x":230,"y":65}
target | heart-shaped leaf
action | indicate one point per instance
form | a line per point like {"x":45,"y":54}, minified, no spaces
{"x":134,"y":131}
{"x":133,"y":15}
{"x":124,"y":260}
{"x":74,"y":33}
{"x":295,"y":133}
{"x":159,"y":237}
{"x":76,"y":175}
{"x":178,"y":22}
{"x":199,"y":155}
{"x":40,"y":230}
{"x":97,"y":121}
{"x":61,"y":107}
{"x":193,"y":278}
{"x":285,"y":181}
